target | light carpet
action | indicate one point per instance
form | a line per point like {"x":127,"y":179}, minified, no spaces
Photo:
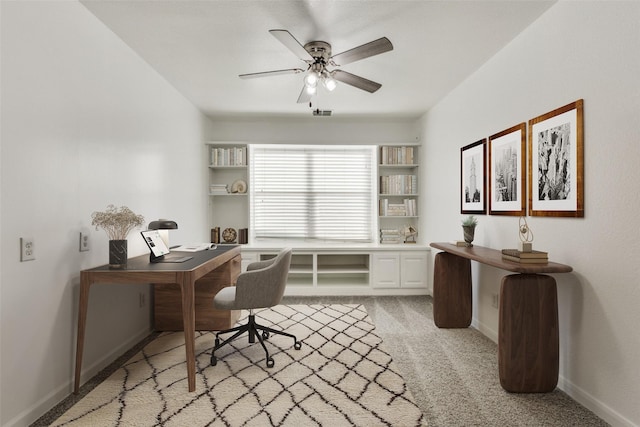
{"x":342,"y":375}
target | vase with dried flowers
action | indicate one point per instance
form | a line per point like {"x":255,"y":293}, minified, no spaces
{"x":118,"y":223}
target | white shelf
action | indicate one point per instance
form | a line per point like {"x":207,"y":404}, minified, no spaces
{"x":398,"y":174}
{"x":228,"y":210}
{"x":349,"y":269}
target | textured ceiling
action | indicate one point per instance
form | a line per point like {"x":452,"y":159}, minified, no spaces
{"x":200,"y":47}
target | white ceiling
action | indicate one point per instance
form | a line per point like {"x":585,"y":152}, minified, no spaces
{"x":200,"y":47}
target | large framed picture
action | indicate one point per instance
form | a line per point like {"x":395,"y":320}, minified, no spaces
{"x":473,"y":164}
{"x":556,"y":164}
{"x":507,"y":165}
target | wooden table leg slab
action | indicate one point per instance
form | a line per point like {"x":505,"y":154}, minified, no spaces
{"x":187,"y":285}
{"x":528,"y":342}
{"x":452,"y":305}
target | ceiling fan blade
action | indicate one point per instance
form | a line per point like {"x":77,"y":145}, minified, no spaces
{"x":290,"y":42}
{"x":356,"y":81}
{"x":271,"y":73}
{"x":375,"y":47}
{"x":304,"y":96}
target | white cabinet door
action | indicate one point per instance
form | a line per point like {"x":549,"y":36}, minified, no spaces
{"x":413,"y":269}
{"x":385,"y":270}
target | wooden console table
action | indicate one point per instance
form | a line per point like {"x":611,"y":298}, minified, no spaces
{"x":528,"y":342}
{"x":221,"y":266}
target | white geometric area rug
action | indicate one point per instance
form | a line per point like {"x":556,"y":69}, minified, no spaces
{"x":341,"y":376}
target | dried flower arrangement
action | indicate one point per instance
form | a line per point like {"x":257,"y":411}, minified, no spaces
{"x":117,"y":222}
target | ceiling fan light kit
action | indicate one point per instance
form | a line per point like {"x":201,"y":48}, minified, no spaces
{"x":317,"y":56}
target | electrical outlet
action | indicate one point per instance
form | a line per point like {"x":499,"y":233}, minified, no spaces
{"x":495,"y":300}
{"x":84,"y":241}
{"x":27,"y":249}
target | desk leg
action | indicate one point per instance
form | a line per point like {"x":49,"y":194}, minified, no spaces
{"x":187,"y":285}
{"x":451,"y":291}
{"x":528,"y":333}
{"x":83,"y":302}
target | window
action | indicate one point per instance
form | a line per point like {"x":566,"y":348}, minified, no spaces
{"x":313,"y":192}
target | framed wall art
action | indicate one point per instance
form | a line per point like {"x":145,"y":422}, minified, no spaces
{"x":507,"y":176}
{"x":473,"y":165}
{"x":556,"y":164}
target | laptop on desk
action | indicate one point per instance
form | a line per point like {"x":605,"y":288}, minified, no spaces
{"x":159,"y":250}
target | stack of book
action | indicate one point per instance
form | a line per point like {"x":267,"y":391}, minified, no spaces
{"x":396,"y":155}
{"x":218,"y":189}
{"x":398,"y":184}
{"x":232,"y":156}
{"x":533,"y":257}
{"x":391,"y":236}
{"x":406,"y":208}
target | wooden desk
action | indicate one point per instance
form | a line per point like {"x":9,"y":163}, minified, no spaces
{"x":528,"y":342}
{"x":223,"y":264}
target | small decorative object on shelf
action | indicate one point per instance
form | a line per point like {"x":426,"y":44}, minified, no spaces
{"x":117,"y":223}
{"x":410,"y":234}
{"x":469,"y":228}
{"x":239,"y":186}
{"x":215,"y":235}
{"x":526,"y":236}
{"x":243,"y":236}
{"x":229,"y":235}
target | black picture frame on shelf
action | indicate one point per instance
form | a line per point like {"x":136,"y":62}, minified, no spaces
{"x":473,"y":180}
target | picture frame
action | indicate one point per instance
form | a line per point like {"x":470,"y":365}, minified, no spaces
{"x":507,"y":171}
{"x":473,"y":180}
{"x":556,"y":162}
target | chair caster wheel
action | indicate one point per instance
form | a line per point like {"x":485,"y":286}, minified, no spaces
{"x":297,"y":345}
{"x":214,"y":360}
{"x":265,"y":335}
{"x":270,"y":363}
{"x":217,"y":342}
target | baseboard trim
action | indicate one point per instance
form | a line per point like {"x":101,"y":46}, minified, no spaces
{"x":578,"y":394}
{"x":42,"y":406}
{"x":596,"y":406}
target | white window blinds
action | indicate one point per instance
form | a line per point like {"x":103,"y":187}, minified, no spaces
{"x":312,"y":192}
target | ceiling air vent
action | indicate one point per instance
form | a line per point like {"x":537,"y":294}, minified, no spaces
{"x":318,"y":112}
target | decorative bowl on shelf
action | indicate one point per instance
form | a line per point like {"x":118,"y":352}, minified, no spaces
{"x":229,"y":235}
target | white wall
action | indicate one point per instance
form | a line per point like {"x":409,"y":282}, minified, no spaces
{"x":85,"y":123}
{"x":316,"y":130}
{"x":575,"y":50}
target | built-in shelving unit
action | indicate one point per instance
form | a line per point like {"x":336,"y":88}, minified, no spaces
{"x":340,"y":269}
{"x":398,"y":192}
{"x":374,"y":270}
{"x":228,"y":172}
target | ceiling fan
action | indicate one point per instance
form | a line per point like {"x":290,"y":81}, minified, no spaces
{"x":317,"y":55}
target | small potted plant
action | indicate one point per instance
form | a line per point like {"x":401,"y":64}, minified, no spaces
{"x":469,"y":228}
{"x":118,"y":223}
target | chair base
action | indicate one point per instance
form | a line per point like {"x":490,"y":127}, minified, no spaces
{"x":255,"y":330}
